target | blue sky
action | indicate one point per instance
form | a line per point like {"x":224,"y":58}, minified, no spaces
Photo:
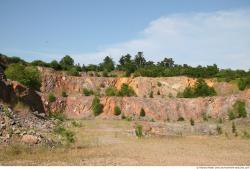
{"x":190,"y":31}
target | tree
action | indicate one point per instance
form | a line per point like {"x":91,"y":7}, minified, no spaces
{"x":39,"y":63}
{"x":66,"y":62}
{"x":126,"y":90}
{"x":140,"y":61}
{"x":28,"y":76}
{"x":167,"y":62}
{"x":55,"y":65}
{"x":73,"y":71}
{"x":97,"y":107}
{"x":108,"y":64}
{"x":142,"y":112}
{"x":127,"y":64}
{"x":202,"y":89}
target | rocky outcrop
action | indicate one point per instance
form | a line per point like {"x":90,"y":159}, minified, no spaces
{"x":13,"y":92}
{"x":162,"y":87}
{"x":155,"y":108}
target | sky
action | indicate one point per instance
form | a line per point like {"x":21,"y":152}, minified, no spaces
{"x":195,"y":32}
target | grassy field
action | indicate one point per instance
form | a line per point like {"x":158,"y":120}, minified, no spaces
{"x":110,"y":142}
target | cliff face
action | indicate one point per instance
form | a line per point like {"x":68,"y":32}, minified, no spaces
{"x":57,"y":82}
{"x":12,"y":92}
{"x":162,"y":106}
{"x":155,"y":108}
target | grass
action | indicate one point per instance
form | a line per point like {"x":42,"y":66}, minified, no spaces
{"x":107,"y":142}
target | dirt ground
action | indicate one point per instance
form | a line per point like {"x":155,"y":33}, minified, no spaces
{"x":110,"y":142}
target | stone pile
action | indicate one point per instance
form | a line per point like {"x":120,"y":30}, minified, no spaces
{"x":29,"y":129}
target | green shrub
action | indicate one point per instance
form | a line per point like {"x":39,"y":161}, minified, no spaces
{"x":67,"y":135}
{"x":87,"y":92}
{"x":219,"y":129}
{"x":238,"y":110}
{"x":200,"y":89}
{"x":117,"y":110}
{"x":138,"y":131}
{"x":158,"y":92}
{"x":204,"y":116}
{"x":73,"y":72}
{"x":76,"y":123}
{"x":246,"y":135}
{"x":151,"y":94}
{"x":27,"y":75}
{"x":242,"y":84}
{"x":126,"y":90}
{"x":51,"y":97}
{"x":192,"y":122}
{"x":57,"y":115}
{"x":181,"y":119}
{"x":111,"y":91}
{"x":64,"y":94}
{"x":97,"y":107}
{"x":142,"y":112}
{"x":159,"y":84}
{"x":233,"y":128}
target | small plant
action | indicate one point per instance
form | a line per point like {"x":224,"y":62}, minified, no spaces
{"x":67,"y":135}
{"x":142,"y":112}
{"x":220,"y":120}
{"x":170,"y":95}
{"x":87,"y":92}
{"x":126,"y":90}
{"x":231,"y":115}
{"x":246,"y":135}
{"x":76,"y":123}
{"x":51,"y":97}
{"x":64,"y":94}
{"x":238,"y":110}
{"x":111,"y":91}
{"x":158,"y":92}
{"x":138,"y":130}
{"x":233,"y":128}
{"x":57,"y":115}
{"x":123,"y":116}
{"x":117,"y":110}
{"x":151,"y":94}
{"x":204,"y":116}
{"x":181,"y":118}
{"x":219,"y":129}
{"x":192,"y":122}
{"x":159,"y":84}
{"x":97,"y":107}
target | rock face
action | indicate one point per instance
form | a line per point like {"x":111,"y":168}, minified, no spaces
{"x":53,"y":81}
{"x":155,"y":108}
{"x":162,"y":106}
{"x":11,"y":92}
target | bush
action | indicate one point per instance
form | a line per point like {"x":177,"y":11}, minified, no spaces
{"x":111,"y":91}
{"x":204,"y":116}
{"x":28,"y":76}
{"x":242,"y":84}
{"x":238,"y":110}
{"x":64,"y":94}
{"x":97,"y":107}
{"x":73,"y":72}
{"x":200,"y":89}
{"x":151,"y":94}
{"x":126,"y":90}
{"x":57,"y":115}
{"x":246,"y":135}
{"x":138,"y":131}
{"x":192,"y":122}
{"x":142,"y":112}
{"x":67,"y":135}
{"x":181,"y":118}
{"x":51,"y":97}
{"x":87,"y":92}
{"x":117,"y":110}
{"x":219,"y":129}
{"x":233,"y":128}
{"x":159,"y":84}
{"x":76,"y":123}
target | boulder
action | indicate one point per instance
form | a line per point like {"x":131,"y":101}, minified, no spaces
{"x":29,"y":139}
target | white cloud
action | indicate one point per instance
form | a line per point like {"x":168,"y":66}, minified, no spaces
{"x":221,"y":37}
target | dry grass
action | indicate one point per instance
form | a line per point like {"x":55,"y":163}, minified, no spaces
{"x":108,"y":143}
